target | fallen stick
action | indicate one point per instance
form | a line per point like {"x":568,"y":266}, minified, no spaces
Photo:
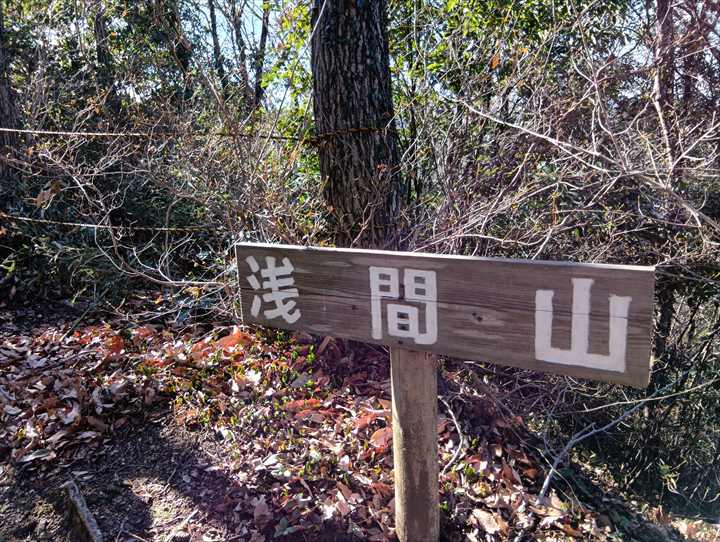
{"x":180,"y":526}
{"x":82,"y":522}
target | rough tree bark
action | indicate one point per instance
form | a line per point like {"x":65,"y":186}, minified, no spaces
{"x":352,"y":101}
{"x":104,"y":68}
{"x":167,"y":14}
{"x":235,"y":17}
{"x":9,"y":118}
{"x":260,"y":57}
{"x":663,"y":87}
{"x":217,"y":53}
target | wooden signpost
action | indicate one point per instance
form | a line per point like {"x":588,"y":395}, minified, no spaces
{"x":583,"y":320}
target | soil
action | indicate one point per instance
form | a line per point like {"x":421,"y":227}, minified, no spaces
{"x":155,"y":478}
{"x":154,"y":481}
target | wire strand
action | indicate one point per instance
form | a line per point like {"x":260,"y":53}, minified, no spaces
{"x":144,"y":134}
{"x":247,"y":135}
{"x":98,"y":226}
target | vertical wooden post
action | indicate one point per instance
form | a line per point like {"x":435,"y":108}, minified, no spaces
{"x":414,"y":420}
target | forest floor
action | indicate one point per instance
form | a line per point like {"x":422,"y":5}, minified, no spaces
{"x":211,"y":432}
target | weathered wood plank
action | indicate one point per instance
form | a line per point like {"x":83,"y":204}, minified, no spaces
{"x":414,"y":421}
{"x":546,"y":316}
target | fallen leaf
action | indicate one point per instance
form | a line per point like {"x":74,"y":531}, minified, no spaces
{"x":57,"y":436}
{"x":342,"y":506}
{"x":509,"y":474}
{"x":11,"y":410}
{"x":261,"y":512}
{"x":43,"y":454}
{"x":381,"y":437}
{"x":382,"y":489}
{"x":69,"y":416}
{"x":97,"y":423}
{"x":571,"y":531}
{"x":345,"y":490}
{"x":487,"y":521}
{"x":302,"y":404}
{"x":43,"y":197}
{"x":236,"y":338}
{"x":253,"y":377}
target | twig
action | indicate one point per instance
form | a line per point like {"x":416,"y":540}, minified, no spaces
{"x":180,"y":526}
{"x":77,"y":321}
{"x":586,"y":432}
{"x":84,"y":526}
{"x":461,"y":444}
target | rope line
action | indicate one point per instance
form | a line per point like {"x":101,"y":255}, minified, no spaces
{"x":320,"y":138}
{"x":98,"y":226}
{"x":143,"y":134}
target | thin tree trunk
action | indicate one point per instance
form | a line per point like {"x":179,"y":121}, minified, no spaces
{"x":236,"y":21}
{"x":260,"y":57}
{"x":104,"y":69}
{"x":217,"y":54}
{"x":663,"y":88}
{"x":354,"y":121}
{"x":9,"y":118}
{"x":168,"y":15}
{"x":664,"y":56}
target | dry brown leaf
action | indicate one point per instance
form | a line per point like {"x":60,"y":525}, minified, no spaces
{"x":302,"y":404}
{"x":309,"y":414}
{"x":381,"y":437}
{"x":43,"y":197}
{"x":97,"y":423}
{"x":70,"y":415}
{"x":510,"y":474}
{"x":382,"y":489}
{"x":487,"y":521}
{"x":44,"y":454}
{"x":342,"y":506}
{"x":57,"y":436}
{"x":571,"y":531}
{"x":369,"y":417}
{"x":346,"y":491}
{"x":261,"y":511}
{"x":235,"y":339}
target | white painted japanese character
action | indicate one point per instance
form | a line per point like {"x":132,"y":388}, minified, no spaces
{"x":404,"y":320}
{"x":579,"y":353}
{"x":278,"y":280}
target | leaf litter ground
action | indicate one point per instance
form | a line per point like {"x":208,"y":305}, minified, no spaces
{"x":214,"y":432}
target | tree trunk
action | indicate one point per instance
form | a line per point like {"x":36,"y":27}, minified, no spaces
{"x":9,"y":118}
{"x":664,"y":57}
{"x":217,"y":54}
{"x":663,"y":88}
{"x":236,"y":21}
{"x":260,"y":57}
{"x":104,"y":69}
{"x":167,"y":13}
{"x":354,"y":122}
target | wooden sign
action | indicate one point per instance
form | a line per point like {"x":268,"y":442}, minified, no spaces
{"x":584,"y":320}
